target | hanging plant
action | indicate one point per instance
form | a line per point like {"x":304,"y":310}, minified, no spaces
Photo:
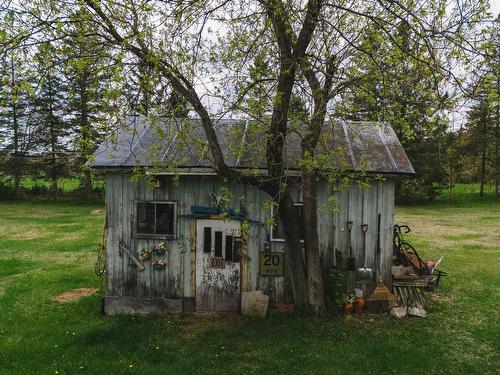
{"x":159,"y":248}
{"x":159,"y":264}
{"x":145,"y":254}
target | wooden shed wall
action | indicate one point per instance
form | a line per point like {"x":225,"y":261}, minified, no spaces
{"x":124,"y":280}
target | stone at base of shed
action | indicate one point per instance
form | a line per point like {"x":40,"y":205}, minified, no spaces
{"x":113,"y":305}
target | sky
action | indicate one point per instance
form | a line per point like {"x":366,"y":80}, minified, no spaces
{"x":495,"y":7}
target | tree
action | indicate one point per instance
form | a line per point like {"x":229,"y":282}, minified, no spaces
{"x":416,"y":106}
{"x":86,"y":71}
{"x":481,"y":136}
{"x":19,"y":135}
{"x":209,"y":50}
{"x":50,"y":105}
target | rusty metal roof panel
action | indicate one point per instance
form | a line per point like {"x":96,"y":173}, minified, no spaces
{"x":369,"y":146}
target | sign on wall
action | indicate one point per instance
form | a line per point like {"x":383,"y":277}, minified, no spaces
{"x":272,"y":264}
{"x":218,"y":262}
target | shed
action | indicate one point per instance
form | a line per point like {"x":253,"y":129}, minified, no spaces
{"x":207,"y":260}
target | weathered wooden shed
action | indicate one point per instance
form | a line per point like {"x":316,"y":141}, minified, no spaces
{"x":208,"y":261}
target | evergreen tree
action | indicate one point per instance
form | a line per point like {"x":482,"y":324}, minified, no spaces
{"x":50,"y":106}
{"x":19,"y":135}
{"x":88,"y":82}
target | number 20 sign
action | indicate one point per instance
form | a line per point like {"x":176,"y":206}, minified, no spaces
{"x":272,"y":264}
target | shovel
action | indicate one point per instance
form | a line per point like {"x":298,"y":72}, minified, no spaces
{"x":364,"y":274}
{"x":350,"y":260}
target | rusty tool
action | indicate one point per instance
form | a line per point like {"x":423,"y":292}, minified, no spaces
{"x":381,"y":298}
{"x":364,"y":274}
{"x":350,"y":260}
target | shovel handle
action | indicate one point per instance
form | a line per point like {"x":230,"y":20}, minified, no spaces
{"x":364,"y":227}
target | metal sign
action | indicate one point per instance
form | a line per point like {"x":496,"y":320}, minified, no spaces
{"x":218,"y":262}
{"x":272,"y":264}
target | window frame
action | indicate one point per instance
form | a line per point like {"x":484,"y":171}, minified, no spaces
{"x":162,"y":236}
{"x":271,"y":230}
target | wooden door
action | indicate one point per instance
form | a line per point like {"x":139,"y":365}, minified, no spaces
{"x":217,"y":265}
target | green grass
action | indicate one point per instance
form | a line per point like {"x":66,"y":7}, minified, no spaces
{"x":42,"y":186}
{"x":468,"y":192}
{"x":49,"y":248}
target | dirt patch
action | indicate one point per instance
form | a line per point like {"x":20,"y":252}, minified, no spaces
{"x":203,"y":321}
{"x":75,"y":294}
{"x":27,"y":235}
{"x":97,"y":211}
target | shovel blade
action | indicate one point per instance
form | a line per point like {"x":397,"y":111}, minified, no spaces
{"x":364,"y":274}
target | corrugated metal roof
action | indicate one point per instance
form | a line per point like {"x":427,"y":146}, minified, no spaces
{"x":369,"y":146}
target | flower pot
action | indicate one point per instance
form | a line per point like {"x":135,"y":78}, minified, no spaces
{"x":359,"y":305}
{"x":159,"y":252}
{"x":348,"y":308}
{"x":159,"y":267}
{"x":144,"y":257}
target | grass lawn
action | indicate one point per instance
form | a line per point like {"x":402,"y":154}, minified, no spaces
{"x":50,"y":248}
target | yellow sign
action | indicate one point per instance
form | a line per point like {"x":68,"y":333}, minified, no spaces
{"x":272,"y":264}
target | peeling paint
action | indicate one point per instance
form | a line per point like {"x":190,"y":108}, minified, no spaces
{"x":217,"y":289}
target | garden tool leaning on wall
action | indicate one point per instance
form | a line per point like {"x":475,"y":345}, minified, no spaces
{"x":381,"y":299}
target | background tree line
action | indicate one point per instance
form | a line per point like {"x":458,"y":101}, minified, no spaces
{"x":58,"y":96}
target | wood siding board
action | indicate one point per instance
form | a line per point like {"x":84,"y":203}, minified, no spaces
{"x":371,"y":218}
{"x":111,"y":251}
{"x":387,"y":228}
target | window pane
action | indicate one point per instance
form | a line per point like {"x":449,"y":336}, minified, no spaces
{"x":279,"y":233}
{"x":145,"y":218}
{"x":298,"y":213}
{"x":207,"y":240}
{"x":165,"y":218}
{"x":229,"y":248}
{"x":218,"y":244}
{"x":236,"y":249}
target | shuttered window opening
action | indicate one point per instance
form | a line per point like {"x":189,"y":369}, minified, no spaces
{"x":218,"y":244}
{"x":155,"y":219}
{"x":207,"y":239}
{"x":229,"y":248}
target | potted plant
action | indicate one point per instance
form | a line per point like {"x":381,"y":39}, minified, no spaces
{"x":348,"y":303}
{"x":159,"y":248}
{"x":159,"y":264}
{"x":145,"y":254}
{"x":359,"y":301}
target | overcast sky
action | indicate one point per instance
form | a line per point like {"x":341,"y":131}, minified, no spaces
{"x":495,"y":7}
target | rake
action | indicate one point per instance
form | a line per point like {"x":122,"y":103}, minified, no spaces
{"x":381,"y":298}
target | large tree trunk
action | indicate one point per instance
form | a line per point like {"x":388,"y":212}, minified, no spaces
{"x":15,"y":125}
{"x":17,"y":183}
{"x":294,"y":259}
{"x":497,"y":138}
{"x":483,"y":158}
{"x":315,"y":286}
{"x":85,"y":135}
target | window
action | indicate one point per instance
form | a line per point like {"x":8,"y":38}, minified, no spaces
{"x":277,"y":232}
{"x":233,"y":248}
{"x":155,"y":219}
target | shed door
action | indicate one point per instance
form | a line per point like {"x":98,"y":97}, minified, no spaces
{"x":217,"y":265}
